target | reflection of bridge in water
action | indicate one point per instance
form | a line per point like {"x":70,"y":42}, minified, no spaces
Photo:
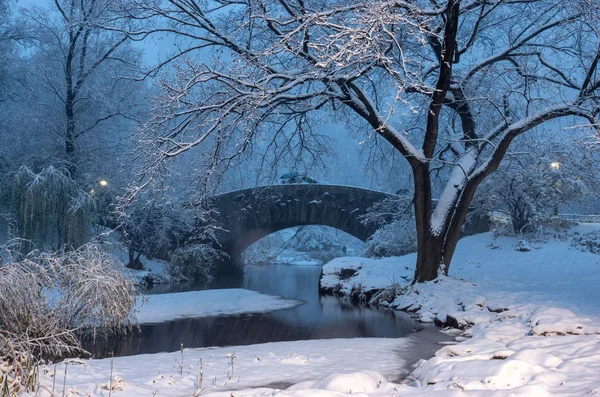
{"x":250,"y":214}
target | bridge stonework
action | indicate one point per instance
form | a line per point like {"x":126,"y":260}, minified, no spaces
{"x":250,"y":214}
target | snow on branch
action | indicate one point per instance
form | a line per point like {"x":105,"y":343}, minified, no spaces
{"x":455,"y":185}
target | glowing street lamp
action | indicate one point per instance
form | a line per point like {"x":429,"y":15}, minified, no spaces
{"x":103,"y":183}
{"x":555,"y":165}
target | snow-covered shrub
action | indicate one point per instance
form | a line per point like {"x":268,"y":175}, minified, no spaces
{"x":394,"y":239}
{"x":502,"y":225}
{"x":493,"y":246}
{"x":523,"y":246}
{"x":388,"y":295}
{"x":194,"y":263}
{"x":556,"y":227}
{"x":46,"y":299}
{"x":557,"y":224}
{"x":589,"y":242}
{"x":396,"y":235}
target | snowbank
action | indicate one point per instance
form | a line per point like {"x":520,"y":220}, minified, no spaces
{"x":513,"y":340}
{"x":255,"y":366}
{"x":167,"y":307}
{"x":554,"y":273}
{"x":344,"y":274}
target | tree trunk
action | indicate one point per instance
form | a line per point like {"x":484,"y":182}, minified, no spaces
{"x":430,"y":256}
{"x":70,"y":135}
{"x":70,"y":97}
{"x":131,"y":254}
{"x":435,"y":251}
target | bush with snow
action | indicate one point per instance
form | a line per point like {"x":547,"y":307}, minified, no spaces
{"x":195,"y":262}
{"x":523,"y":246}
{"x":587,"y":242}
{"x":394,"y":239}
{"x":396,"y":235}
{"x":46,"y":299}
{"x":388,"y":295}
{"x":150,"y":226}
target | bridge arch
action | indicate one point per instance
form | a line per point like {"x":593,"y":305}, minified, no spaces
{"x":250,"y":214}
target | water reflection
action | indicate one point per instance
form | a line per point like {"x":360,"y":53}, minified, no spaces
{"x":322,"y":317}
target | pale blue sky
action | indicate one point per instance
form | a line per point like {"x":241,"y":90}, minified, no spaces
{"x":154,"y":48}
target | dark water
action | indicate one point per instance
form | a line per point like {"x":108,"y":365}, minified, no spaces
{"x":321,"y":317}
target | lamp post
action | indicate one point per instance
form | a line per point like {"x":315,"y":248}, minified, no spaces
{"x":555,"y":165}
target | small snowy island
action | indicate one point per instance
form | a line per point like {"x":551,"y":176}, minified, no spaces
{"x":193,"y":304}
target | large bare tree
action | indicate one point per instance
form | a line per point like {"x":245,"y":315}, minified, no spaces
{"x":81,"y":62}
{"x":448,"y":83}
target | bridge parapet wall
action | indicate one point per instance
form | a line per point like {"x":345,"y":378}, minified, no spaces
{"x":250,"y":214}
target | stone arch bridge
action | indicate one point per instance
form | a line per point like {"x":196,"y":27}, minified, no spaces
{"x":250,"y":214}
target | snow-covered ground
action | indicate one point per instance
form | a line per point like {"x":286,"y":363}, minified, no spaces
{"x":167,"y":307}
{"x":264,"y":365}
{"x":553,"y":273}
{"x":529,"y":327}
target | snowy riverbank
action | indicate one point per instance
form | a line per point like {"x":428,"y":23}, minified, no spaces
{"x":529,"y":327}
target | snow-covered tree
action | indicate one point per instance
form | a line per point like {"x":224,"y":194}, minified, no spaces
{"x":81,"y":70}
{"x":396,"y":233}
{"x":448,"y":84}
{"x":6,"y":39}
{"x":47,"y":209}
{"x":535,"y":181}
{"x":12,"y":83}
{"x":149,"y":226}
{"x":194,"y":262}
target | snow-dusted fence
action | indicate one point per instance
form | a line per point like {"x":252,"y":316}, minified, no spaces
{"x":580,"y":218}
